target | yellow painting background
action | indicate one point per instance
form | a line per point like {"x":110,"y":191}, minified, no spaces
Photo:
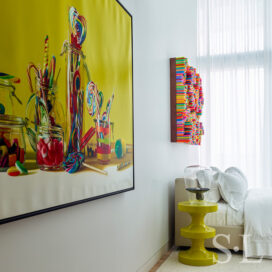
{"x":108,"y":48}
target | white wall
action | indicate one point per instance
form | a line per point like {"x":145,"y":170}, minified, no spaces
{"x":121,"y":233}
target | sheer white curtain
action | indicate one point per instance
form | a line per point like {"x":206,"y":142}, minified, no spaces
{"x":234,"y":59}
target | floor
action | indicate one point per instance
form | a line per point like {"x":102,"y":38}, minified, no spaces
{"x":236,"y":263}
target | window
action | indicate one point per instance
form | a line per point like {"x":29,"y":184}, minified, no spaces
{"x":234,"y":59}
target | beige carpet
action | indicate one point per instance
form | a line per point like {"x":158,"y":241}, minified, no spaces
{"x":173,"y":265}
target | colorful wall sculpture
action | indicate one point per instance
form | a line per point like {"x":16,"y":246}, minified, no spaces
{"x":186,"y":102}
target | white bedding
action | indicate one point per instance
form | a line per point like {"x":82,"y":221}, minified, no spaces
{"x":225,"y":216}
{"x":258,"y":223}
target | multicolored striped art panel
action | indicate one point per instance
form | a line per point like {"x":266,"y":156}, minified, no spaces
{"x":186,"y":102}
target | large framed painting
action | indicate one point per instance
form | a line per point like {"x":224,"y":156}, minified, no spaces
{"x":66,"y":104}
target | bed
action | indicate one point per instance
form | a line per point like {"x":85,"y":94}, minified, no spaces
{"x":226,"y":221}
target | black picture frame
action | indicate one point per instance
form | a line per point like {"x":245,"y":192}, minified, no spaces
{"x":66,"y":205}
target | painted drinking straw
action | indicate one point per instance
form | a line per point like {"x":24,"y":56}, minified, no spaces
{"x":75,"y":93}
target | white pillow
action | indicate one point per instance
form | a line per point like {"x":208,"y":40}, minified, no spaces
{"x":237,"y":172}
{"x":213,"y":194}
{"x":232,"y":186}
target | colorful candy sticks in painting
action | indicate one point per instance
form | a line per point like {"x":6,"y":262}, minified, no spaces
{"x":75,"y":92}
{"x":189,"y":103}
{"x":51,"y":72}
{"x":103,"y":129}
{"x":87,"y":137}
{"x":45,"y":61}
{"x":45,"y":76}
{"x":43,"y":105}
{"x":44,"y":79}
{"x":108,"y":108}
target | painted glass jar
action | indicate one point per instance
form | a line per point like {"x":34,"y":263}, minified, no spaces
{"x":50,"y":147}
{"x":7,"y":91}
{"x":12,"y":141}
{"x":103,"y":148}
{"x":43,"y":109}
{"x":75,"y":98}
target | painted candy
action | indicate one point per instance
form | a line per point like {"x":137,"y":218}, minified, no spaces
{"x":21,"y":168}
{"x":12,"y":159}
{"x":10,"y":152}
{"x":120,"y":148}
{"x":87,"y":137}
{"x":50,"y":152}
{"x":2,"y":109}
{"x":13,"y":171}
{"x":73,"y":162}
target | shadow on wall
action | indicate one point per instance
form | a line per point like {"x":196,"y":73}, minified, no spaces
{"x":171,"y":209}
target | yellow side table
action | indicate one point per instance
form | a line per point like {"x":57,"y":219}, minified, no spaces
{"x":197,"y":231}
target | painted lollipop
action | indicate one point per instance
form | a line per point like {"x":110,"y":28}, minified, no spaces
{"x":81,"y":28}
{"x":92,"y":97}
{"x":78,"y":27}
{"x":104,"y":116}
{"x":93,"y":105}
{"x":72,"y":14}
{"x":75,"y":160}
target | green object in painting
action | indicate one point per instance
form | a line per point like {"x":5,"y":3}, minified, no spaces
{"x":101,"y":99}
{"x":44,"y":113}
{"x":120,"y":148}
{"x":104,"y":141}
{"x":2,"y":109}
{"x":32,"y":138}
{"x":21,"y":168}
{"x":10,"y":78}
{"x":7,"y":82}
